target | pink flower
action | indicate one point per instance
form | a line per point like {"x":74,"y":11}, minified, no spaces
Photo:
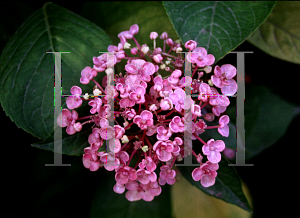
{"x":119,"y":188}
{"x":166,"y":104}
{"x":223,"y":79}
{"x":196,"y":110}
{"x":68,"y":119}
{"x":176,"y":124}
{"x":206,"y":173}
{"x":96,"y":104}
{"x":163,"y":150}
{"x":163,"y":134}
{"x":174,"y":78}
{"x":153,"y":35}
{"x":101,"y":62}
{"x":124,"y":174}
{"x":130,"y":114}
{"x":200,"y":57}
{"x":146,"y":192}
{"x":138,"y":95}
{"x":75,"y":100}
{"x":157,"y":58}
{"x":191,"y":45}
{"x":158,"y":83}
{"x":110,"y":161}
{"x":90,"y":159}
{"x":148,"y":163}
{"x":144,"y":120}
{"x":87,"y":74}
{"x":180,"y":100}
{"x":224,"y":128}
{"x":167,"y":175}
{"x":212,"y":149}
{"x":204,"y":92}
{"x":145,"y":176}
{"x":134,"y":29}
{"x":200,"y":126}
{"x":142,"y":68}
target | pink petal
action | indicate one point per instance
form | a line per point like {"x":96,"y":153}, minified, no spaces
{"x":197,"y":174}
{"x":217,"y":71}
{"x":214,"y":157}
{"x":133,"y":195}
{"x":224,"y":131}
{"x":216,"y":81}
{"x":131,"y":69}
{"x":230,"y":89}
{"x":230,"y":71}
{"x":207,"y":181}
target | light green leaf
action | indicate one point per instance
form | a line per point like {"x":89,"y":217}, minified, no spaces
{"x":279,"y":36}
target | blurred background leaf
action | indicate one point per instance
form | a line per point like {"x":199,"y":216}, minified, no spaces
{"x":279,"y":35}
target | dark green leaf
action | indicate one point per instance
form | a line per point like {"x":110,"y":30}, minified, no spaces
{"x":228,"y":186}
{"x":218,"y":26}
{"x":279,"y":36}
{"x":27,"y":72}
{"x":107,"y":203}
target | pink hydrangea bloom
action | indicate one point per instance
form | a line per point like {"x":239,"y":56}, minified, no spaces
{"x":68,"y":119}
{"x":101,"y":62}
{"x":166,"y":104}
{"x":96,"y":104}
{"x":144,"y":120}
{"x":224,"y":128}
{"x":212,"y":149}
{"x":138,"y":95}
{"x":204,"y":92}
{"x":124,"y":174}
{"x":206,"y":173}
{"x":176,"y":124}
{"x":163,"y":134}
{"x":167,"y":175}
{"x":191,"y":45}
{"x":148,"y":163}
{"x":145,"y":176}
{"x":142,"y":68}
{"x":87,"y":74}
{"x":90,"y":159}
{"x":110,"y":161}
{"x":222,"y":78}
{"x":180,"y":100}
{"x":163,"y":150}
{"x":200,"y":57}
{"x":146,"y":192}
{"x":74,"y":101}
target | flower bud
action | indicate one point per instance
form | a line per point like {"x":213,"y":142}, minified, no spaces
{"x":153,"y":107}
{"x":169,"y":42}
{"x":78,"y":127}
{"x":207,"y":69}
{"x":134,"y":29}
{"x":145,"y":49}
{"x":124,"y":139}
{"x":153,"y":35}
{"x":162,"y":67}
{"x":134,"y":51}
{"x":167,"y":62}
{"x":164,"y":35}
{"x":97,"y":92}
{"x":179,"y":49}
{"x":157,"y":58}
{"x":209,"y":117}
{"x":191,"y":44}
{"x":86,"y":96}
{"x":126,"y":45}
{"x":210,"y":82}
{"x":145,"y":148}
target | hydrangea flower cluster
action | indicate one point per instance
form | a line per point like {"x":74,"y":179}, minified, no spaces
{"x":151,"y":114}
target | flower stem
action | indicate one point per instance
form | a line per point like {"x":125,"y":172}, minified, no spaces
{"x":98,"y":85}
{"x":194,"y":71}
{"x":212,"y":127}
{"x":203,"y":142}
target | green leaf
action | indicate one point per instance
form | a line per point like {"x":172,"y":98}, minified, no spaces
{"x":267,"y":117}
{"x":218,"y":26}
{"x":27,"y":72}
{"x":107,"y":203}
{"x":279,"y":36}
{"x":228,"y":185}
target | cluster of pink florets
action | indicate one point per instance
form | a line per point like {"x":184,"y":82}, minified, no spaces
{"x":150,"y":113}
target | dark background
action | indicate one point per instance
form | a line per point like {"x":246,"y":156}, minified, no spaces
{"x":29,"y":189}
